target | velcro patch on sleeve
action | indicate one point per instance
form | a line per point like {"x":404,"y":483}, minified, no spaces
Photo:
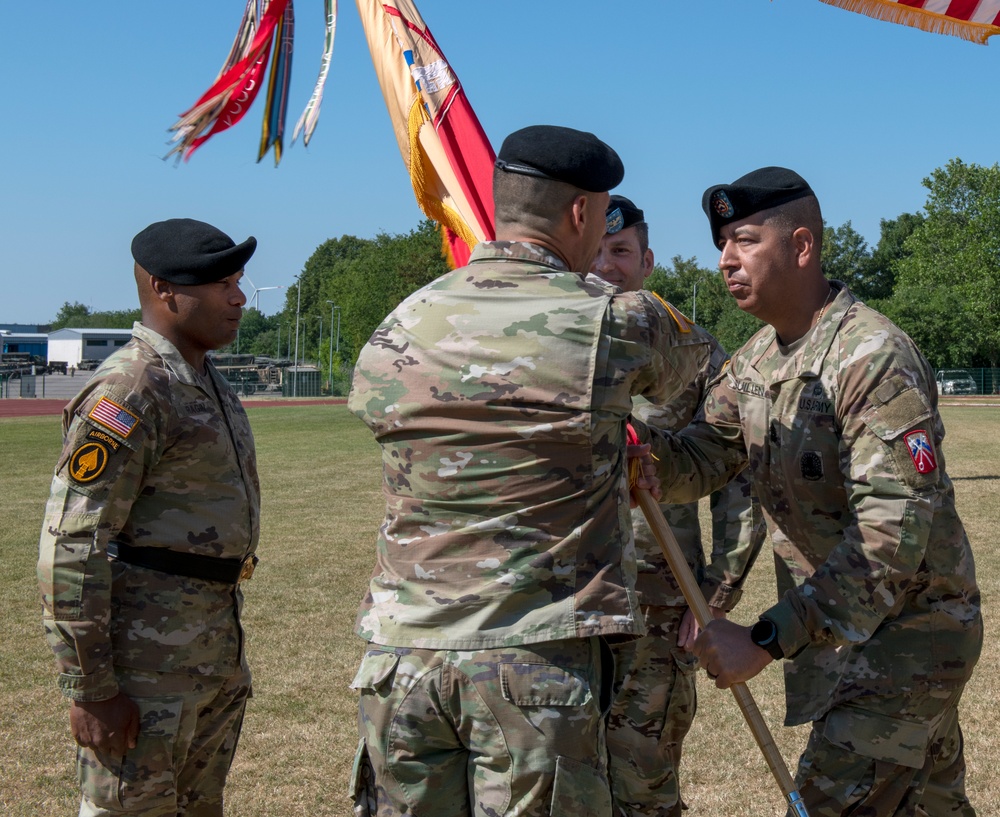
{"x":918,"y":443}
{"x":88,"y":462}
{"x":113,"y":416}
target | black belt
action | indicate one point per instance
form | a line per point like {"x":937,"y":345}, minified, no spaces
{"x":192,"y":565}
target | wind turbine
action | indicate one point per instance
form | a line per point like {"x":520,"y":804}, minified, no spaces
{"x":254,"y":300}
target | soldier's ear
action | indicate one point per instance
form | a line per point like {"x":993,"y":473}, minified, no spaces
{"x":804,"y":245}
{"x":648,"y":262}
{"x":578,"y":214}
{"x":162,"y":289}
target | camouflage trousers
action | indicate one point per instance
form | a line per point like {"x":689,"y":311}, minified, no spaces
{"x":483,"y":733}
{"x":652,"y":711}
{"x":894,"y":756}
{"x":188,"y":730}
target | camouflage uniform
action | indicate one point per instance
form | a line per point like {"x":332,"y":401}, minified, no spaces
{"x":879,"y":609}
{"x":655,"y":697}
{"x":154,"y":456}
{"x":499,"y":394}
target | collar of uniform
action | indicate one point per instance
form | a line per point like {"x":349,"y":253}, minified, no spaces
{"x":174,"y":359}
{"x":808,"y":360}
{"x":521,"y":251}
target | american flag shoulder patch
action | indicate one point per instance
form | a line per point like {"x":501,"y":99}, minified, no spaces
{"x":921,"y":451}
{"x":113,"y":416}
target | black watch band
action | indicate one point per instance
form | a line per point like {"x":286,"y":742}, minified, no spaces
{"x":765,"y":635}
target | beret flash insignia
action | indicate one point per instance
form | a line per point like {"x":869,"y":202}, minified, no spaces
{"x":721,"y":204}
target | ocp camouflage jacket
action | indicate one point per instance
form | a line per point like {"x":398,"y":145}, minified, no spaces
{"x":156,"y":456}
{"x":843,"y":437}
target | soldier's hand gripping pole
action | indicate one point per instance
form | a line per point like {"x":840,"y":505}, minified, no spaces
{"x":696,"y":601}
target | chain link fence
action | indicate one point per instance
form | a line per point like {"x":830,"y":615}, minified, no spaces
{"x":961,"y":381}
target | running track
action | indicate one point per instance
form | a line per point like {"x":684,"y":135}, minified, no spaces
{"x":34,"y":407}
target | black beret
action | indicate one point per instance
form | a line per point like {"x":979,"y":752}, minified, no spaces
{"x":563,"y":155}
{"x":622,"y":213}
{"x":758,"y":190}
{"x":189,"y":252}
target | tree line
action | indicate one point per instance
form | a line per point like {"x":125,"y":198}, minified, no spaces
{"x":936,"y":274}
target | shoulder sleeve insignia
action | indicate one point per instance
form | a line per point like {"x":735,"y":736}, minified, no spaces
{"x":88,"y":462}
{"x":921,"y":451}
{"x":113,"y":416}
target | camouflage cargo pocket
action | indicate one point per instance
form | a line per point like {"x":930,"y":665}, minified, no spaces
{"x":687,"y":662}
{"x":362,"y":785}
{"x":543,"y":685}
{"x":579,"y":789}
{"x":375,"y":669}
{"x":143,"y":777}
{"x":895,"y":740}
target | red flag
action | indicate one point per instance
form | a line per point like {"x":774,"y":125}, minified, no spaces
{"x":444,"y":147}
{"x":975,"y":20}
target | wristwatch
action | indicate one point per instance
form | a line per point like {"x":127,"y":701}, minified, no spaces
{"x":765,"y":635}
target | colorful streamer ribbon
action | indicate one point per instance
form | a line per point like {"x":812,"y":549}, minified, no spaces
{"x":276,"y":103}
{"x":310,"y":116}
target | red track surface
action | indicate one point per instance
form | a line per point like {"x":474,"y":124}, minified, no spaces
{"x":31,"y":407}
{"x":34,"y":407}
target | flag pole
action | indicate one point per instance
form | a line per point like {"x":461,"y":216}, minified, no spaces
{"x":703,"y":615}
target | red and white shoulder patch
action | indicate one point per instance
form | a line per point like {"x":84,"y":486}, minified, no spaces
{"x":921,"y":451}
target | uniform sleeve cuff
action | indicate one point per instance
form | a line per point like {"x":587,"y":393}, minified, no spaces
{"x":100,"y":686}
{"x":723,"y":596}
{"x":792,"y":636}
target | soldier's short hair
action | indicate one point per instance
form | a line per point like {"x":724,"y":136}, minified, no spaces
{"x":804,"y":212}
{"x":529,"y":200}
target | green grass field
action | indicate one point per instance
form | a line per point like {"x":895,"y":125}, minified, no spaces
{"x":322,"y":505}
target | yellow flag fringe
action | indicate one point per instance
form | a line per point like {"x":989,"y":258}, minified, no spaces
{"x":931,"y":21}
{"x":420,"y":169}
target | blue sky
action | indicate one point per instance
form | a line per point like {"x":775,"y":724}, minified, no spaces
{"x":689,"y":94}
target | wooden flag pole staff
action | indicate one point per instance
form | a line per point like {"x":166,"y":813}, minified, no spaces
{"x":696,"y":601}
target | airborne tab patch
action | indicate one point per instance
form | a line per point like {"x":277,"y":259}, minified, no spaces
{"x":107,"y":439}
{"x":110,"y":415}
{"x":921,"y":451}
{"x":88,"y":462}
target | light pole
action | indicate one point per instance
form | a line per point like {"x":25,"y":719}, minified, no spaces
{"x":333,"y":308}
{"x":295,"y":363}
{"x":319,"y":345}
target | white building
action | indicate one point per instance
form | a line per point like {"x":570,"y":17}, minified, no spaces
{"x":71,"y":346}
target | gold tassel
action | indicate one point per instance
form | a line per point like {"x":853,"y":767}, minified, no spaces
{"x":894,"y":12}
{"x":420,"y":170}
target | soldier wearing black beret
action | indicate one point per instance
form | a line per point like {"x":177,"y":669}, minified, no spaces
{"x":832,"y":410}
{"x":656,"y":701}
{"x":158,"y":481}
{"x":560,"y":154}
{"x":502,"y":389}
{"x":624,"y":258}
{"x":189,"y":252}
{"x":762,"y":189}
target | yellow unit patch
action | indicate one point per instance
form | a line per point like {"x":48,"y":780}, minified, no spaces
{"x":88,"y":462}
